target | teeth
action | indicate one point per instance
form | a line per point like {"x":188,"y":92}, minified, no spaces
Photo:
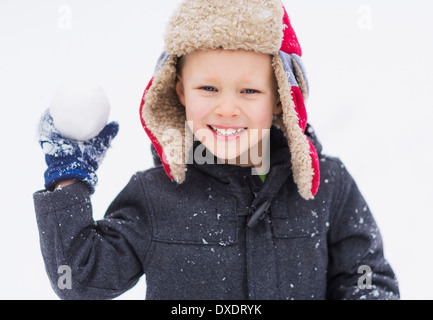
{"x":227,"y":132}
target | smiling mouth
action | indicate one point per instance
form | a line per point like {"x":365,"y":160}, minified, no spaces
{"x":227,"y":132}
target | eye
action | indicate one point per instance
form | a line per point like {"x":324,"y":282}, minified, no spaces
{"x":208,"y":89}
{"x":250,"y":91}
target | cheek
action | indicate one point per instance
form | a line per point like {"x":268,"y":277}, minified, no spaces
{"x":196,"y":115}
{"x":195,"y":108}
{"x":261,"y":116}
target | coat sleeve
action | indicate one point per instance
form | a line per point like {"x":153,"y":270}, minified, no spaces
{"x":87,"y":259}
{"x":357,"y":266}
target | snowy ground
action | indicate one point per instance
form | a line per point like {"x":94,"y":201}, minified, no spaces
{"x":371,"y":103}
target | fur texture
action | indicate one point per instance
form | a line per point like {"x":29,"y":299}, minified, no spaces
{"x":298,"y":143}
{"x":258,"y":25}
{"x":229,"y":24}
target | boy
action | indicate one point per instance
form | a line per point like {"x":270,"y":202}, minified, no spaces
{"x":249,"y":208}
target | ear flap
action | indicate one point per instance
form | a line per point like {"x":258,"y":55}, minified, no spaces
{"x":305,"y":161}
{"x":316,"y":168}
{"x":163,"y":118}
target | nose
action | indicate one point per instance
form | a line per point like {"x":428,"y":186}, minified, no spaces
{"x":227,"y":107}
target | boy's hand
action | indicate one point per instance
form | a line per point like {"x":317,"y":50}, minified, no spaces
{"x":69,"y":159}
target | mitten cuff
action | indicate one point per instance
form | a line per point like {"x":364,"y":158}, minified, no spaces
{"x":76,"y":170}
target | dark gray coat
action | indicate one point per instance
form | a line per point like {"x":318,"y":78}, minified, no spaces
{"x":192,"y":240}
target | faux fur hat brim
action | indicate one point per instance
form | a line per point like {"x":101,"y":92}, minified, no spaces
{"x":233,"y":25}
{"x":258,"y":25}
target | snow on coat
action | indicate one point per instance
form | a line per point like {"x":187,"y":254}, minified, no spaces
{"x":191,"y":240}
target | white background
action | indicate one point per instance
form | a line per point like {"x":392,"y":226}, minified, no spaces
{"x":370,"y":70}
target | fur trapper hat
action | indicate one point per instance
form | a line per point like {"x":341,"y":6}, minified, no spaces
{"x":262,"y":26}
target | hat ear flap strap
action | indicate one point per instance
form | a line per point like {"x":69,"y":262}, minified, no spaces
{"x":298,"y":84}
{"x":300,"y":75}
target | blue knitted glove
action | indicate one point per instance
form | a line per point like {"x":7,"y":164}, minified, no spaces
{"x":69,"y":159}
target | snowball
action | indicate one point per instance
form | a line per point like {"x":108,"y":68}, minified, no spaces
{"x":80,"y":110}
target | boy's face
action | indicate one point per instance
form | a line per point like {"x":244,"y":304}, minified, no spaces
{"x":230,"y":98}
